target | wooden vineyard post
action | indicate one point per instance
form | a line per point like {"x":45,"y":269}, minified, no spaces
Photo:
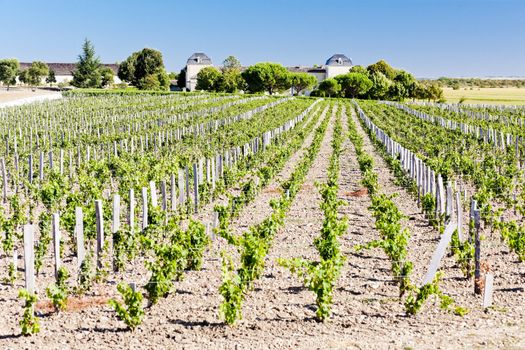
{"x":115,"y":227}
{"x":215,"y":219}
{"x":144,"y":208}
{"x":29,"y":258}
{"x":100,"y":231}
{"x":487,"y":293}
{"x":79,"y":233}
{"x":196,"y":187}
{"x":187,"y":172}
{"x":213,"y":173}
{"x":51,"y":160}
{"x":201,"y":171}
{"x":131,"y":214}
{"x":173,"y":193}
{"x":163,"y":194}
{"x":477,"y":254}
{"x":448,"y":205}
{"x":61,"y":162}
{"x":56,"y":242}
{"x":459,"y":217}
{"x":116,"y":214}
{"x":4,"y":179}
{"x":41,"y":169}
{"x":181,"y":186}
{"x":153,"y":190}
{"x":30,"y":170}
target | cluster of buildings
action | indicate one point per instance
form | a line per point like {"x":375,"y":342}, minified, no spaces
{"x":63,"y":71}
{"x":335,"y":65}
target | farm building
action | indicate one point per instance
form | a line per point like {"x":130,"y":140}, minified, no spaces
{"x":337,"y":64}
{"x":63,"y":70}
{"x":194,"y":64}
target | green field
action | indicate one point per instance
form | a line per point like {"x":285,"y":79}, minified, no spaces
{"x":510,"y":95}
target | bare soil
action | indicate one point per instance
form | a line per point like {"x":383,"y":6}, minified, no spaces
{"x":18,"y":93}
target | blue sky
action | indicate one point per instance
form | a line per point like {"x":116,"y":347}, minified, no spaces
{"x":429,"y":38}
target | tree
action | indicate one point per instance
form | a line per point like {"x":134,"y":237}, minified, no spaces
{"x":301,"y":81}
{"x":145,"y":70}
{"x":106,"y":76}
{"x":181,"y":79}
{"x":50,"y":79}
{"x":231,"y":79}
{"x":359,"y":69}
{"x":231,"y":62}
{"x":329,"y":87}
{"x":87,"y":73}
{"x":173,"y":75}
{"x":397,"y":92}
{"x":209,"y":79}
{"x":408,"y":81}
{"x":270,"y":77}
{"x":23,"y":77}
{"x":8,"y":71}
{"x":380,"y":86}
{"x":382,"y":67}
{"x":126,"y":70}
{"x":36,"y":72}
{"x":354,"y":84}
{"x":435,"y":92}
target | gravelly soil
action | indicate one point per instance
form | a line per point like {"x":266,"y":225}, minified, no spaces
{"x":278,"y":313}
{"x":18,"y":96}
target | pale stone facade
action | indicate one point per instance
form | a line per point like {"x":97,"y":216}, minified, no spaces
{"x":195,"y":63}
{"x":336,"y":65}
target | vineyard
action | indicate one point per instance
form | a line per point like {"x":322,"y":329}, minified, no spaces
{"x":228,"y":221}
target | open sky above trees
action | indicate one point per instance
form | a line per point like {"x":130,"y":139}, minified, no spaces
{"x":429,"y":38}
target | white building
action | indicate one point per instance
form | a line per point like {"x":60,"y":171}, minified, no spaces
{"x":337,"y":64}
{"x":63,"y":71}
{"x":195,"y":63}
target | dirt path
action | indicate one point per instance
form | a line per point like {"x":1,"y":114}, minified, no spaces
{"x":19,"y":96}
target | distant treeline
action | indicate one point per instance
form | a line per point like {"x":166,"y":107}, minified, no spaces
{"x":457,"y":83}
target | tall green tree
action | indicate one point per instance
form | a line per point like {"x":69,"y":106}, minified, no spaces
{"x":209,"y":79}
{"x":301,"y":81}
{"x":354,"y":84}
{"x":23,"y":77}
{"x":8,"y":71}
{"x":107,"y":76}
{"x":435,"y":92}
{"x":231,"y":79}
{"x":329,"y":87}
{"x":383,"y":67}
{"x":50,"y":79}
{"x":181,"y":79}
{"x":126,"y":69}
{"x":380,"y":86}
{"x":87,"y":73}
{"x":36,"y":72}
{"x":145,"y":70}
{"x":150,"y":65}
{"x":359,"y":69}
{"x":231,"y":62}
{"x":408,"y":82}
{"x":270,"y":77}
